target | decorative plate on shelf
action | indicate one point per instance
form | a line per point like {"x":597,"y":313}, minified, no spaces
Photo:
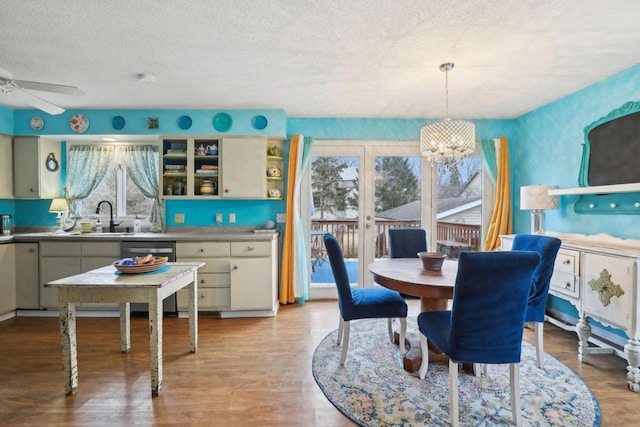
{"x":259,"y":122}
{"x":37,"y":123}
{"x":184,"y":122}
{"x":118,"y":122}
{"x":79,"y":123}
{"x":222,"y":122}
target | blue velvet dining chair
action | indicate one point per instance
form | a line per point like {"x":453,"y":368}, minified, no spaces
{"x":485,"y":323}
{"x":406,"y":243}
{"x":369,"y":303}
{"x":548,"y":248}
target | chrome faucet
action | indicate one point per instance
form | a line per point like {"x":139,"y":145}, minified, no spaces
{"x":112,"y":225}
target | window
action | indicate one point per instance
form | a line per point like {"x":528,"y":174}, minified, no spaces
{"x":119,"y":189}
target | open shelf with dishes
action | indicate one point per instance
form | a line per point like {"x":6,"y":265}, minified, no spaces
{"x":174,"y":167}
{"x":275,"y":169}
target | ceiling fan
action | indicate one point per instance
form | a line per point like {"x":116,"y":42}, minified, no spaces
{"x":19,"y":90}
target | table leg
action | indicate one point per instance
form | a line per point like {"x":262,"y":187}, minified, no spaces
{"x":193,"y":313}
{"x":155,"y":342}
{"x":69,"y":343}
{"x":125,"y":327}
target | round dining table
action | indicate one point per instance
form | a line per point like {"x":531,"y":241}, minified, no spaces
{"x":435,"y":288}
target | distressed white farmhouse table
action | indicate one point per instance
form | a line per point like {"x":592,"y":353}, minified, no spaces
{"x":106,"y":284}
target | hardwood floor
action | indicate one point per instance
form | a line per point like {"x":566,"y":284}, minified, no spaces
{"x":247,"y":372}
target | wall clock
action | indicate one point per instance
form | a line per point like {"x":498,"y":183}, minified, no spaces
{"x":37,"y":123}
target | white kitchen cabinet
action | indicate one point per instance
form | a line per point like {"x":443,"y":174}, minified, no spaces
{"x":214,"y":293}
{"x":31,"y":178}
{"x":240,"y":278}
{"x":57,"y":260}
{"x":6,"y":167}
{"x":8,"y":281}
{"x":599,"y":275}
{"x":253,"y":275}
{"x":244,"y":168}
{"x":27,"y":292}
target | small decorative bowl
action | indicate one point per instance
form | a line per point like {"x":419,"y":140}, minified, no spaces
{"x":432,"y":260}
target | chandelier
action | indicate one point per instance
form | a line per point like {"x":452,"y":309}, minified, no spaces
{"x":448,"y":140}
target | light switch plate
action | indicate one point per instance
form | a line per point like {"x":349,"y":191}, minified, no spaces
{"x":219,"y":218}
{"x":232,"y":218}
{"x":179,"y":218}
{"x":280,"y":218}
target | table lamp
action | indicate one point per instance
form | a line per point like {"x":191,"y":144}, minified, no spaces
{"x":537,"y":199}
{"x":60,"y":207}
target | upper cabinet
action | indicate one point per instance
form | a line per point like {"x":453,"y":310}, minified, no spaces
{"x":6,"y":167}
{"x":36,"y":168}
{"x":229,"y":167}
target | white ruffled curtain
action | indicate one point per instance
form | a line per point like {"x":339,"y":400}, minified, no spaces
{"x":88,"y":164}
{"x":142,"y":164}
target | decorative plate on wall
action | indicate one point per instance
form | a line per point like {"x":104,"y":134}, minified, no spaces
{"x":222,"y":122}
{"x":79,"y":123}
{"x":37,"y":123}
{"x":118,"y":122}
{"x":184,"y":122}
{"x":259,"y":122}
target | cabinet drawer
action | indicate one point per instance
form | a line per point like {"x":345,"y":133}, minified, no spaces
{"x":567,"y":261}
{"x":214,"y":280}
{"x":209,"y":299}
{"x":108,"y":249}
{"x":60,"y":249}
{"x":250,"y":248}
{"x":202,"y":249}
{"x":211,"y":265}
{"x":566,"y":284}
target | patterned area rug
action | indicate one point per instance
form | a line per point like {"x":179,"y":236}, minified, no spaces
{"x":373,"y":389}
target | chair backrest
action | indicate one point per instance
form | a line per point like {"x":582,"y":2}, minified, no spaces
{"x":547,"y":247}
{"x":489,"y":304}
{"x":339,"y":268}
{"x":407,"y":242}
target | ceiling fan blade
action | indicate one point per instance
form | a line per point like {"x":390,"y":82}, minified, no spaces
{"x":48,"y":87}
{"x":37,"y":102}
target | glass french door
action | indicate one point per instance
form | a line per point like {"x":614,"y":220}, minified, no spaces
{"x":360,"y":189}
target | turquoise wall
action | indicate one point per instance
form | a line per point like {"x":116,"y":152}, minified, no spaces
{"x":547,"y":149}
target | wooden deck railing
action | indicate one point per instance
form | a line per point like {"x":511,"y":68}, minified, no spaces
{"x":346,"y":231}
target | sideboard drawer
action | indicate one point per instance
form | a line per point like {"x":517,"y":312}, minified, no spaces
{"x":567,"y":261}
{"x":202,"y":249}
{"x":565,"y":284}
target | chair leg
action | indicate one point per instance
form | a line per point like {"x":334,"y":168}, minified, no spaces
{"x":340,"y":329}
{"x":480,"y":369}
{"x":390,"y":328}
{"x":424,"y":347}
{"x":345,"y":343}
{"x":539,"y":330}
{"x":514,"y":379}
{"x":453,"y":393}
{"x":403,"y":334}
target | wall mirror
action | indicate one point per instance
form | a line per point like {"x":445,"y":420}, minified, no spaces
{"x":612,"y":148}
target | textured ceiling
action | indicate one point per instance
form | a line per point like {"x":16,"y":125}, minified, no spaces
{"x":322,"y":58}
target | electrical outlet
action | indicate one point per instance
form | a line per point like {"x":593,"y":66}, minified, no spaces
{"x":179,"y":218}
{"x":280,"y":218}
{"x":232,"y":218}
{"x":218,"y":218}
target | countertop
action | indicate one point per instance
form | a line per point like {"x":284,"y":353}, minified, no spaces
{"x":176,"y":234}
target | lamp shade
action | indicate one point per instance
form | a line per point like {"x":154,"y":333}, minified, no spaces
{"x":536,"y":197}
{"x":448,"y":139}
{"x":59,"y":205}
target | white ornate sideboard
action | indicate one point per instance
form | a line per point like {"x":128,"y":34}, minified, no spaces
{"x":599,"y":275}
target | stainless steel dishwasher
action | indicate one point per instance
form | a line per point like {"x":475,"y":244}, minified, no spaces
{"x":130,"y":249}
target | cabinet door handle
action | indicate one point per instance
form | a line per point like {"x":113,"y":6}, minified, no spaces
{"x":567,"y":285}
{"x":201,"y":249}
{"x":31,"y":250}
{"x":235,"y":267}
{"x":250,"y":248}
{"x":201,"y":280}
{"x":566,"y":262}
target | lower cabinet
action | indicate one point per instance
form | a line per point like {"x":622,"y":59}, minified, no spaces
{"x":62,"y":259}
{"x":27,"y":292}
{"x":8,"y":280}
{"x":237,"y":276}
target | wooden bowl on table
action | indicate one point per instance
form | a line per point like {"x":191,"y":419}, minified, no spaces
{"x":432,"y":260}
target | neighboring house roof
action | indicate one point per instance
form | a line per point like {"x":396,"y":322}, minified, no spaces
{"x":446,"y":207}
